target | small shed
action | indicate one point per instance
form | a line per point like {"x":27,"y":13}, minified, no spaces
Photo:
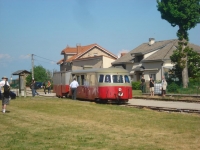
{"x":22,"y":80}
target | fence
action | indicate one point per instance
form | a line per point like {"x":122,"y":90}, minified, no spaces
{"x":193,"y":88}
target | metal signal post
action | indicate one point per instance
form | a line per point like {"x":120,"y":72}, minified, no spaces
{"x":32,"y":66}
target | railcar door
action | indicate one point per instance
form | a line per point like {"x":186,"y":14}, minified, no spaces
{"x":92,"y":87}
{"x":81,"y":92}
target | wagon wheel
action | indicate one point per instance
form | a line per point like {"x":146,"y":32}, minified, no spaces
{"x":119,"y":101}
{"x":104,"y":101}
{"x":67,"y":95}
{"x":97,"y":100}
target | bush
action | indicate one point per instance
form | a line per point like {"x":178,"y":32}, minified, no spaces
{"x":136,"y":85}
{"x":173,"y":87}
{"x":194,"y":81}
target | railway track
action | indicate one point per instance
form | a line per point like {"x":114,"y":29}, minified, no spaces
{"x":165,"y":109}
{"x":167,"y":106}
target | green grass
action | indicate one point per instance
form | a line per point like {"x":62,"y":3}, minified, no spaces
{"x":53,"y":124}
{"x":136,"y":92}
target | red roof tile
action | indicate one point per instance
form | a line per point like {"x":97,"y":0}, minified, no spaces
{"x":80,"y":50}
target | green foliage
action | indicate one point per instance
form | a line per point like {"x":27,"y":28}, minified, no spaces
{"x":185,"y":14}
{"x":40,"y":74}
{"x":193,"y":61}
{"x":195,"y":81}
{"x":173,"y":87}
{"x":136,"y":85}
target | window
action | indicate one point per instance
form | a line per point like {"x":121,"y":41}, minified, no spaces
{"x":82,"y":79}
{"x":107,"y":78}
{"x":153,"y":75}
{"x":78,"y":79}
{"x":126,"y":79}
{"x":101,"y":76}
{"x":138,"y":58}
{"x":118,"y":79}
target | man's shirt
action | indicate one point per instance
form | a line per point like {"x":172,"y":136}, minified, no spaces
{"x":74,"y":84}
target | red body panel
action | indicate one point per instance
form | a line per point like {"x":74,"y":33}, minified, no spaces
{"x":112,"y":92}
{"x":61,"y":90}
{"x":104,"y":92}
{"x":89,"y":92}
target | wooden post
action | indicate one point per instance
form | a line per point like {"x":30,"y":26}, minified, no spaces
{"x":24,"y":78}
{"x":19,"y":86}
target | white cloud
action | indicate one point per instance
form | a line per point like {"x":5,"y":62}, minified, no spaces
{"x":5,"y":56}
{"x":25,"y":56}
{"x":53,"y":62}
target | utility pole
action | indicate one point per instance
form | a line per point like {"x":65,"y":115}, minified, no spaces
{"x":32,"y":66}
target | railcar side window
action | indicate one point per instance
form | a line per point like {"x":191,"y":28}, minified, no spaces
{"x":107,"y":78}
{"x":78,"y":79}
{"x":82,"y":80}
{"x":101,"y":76}
{"x":126,"y":79}
{"x":118,"y":79}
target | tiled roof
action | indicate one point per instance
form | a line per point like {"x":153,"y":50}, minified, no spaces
{"x":146,"y":48}
{"x":77,"y":49}
{"x":60,"y":61}
{"x":81,"y":50}
{"x":165,"y":50}
{"x":92,"y":57}
{"x":124,"y":59}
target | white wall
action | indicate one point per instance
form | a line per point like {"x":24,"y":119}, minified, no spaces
{"x":107,"y":62}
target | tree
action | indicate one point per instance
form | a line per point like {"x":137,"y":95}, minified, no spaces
{"x":193,"y":63}
{"x":40,"y":74}
{"x":185,"y":14}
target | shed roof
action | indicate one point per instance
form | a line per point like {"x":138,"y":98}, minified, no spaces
{"x":19,"y":72}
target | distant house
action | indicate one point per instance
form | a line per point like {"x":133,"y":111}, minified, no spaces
{"x":85,"y":57}
{"x":150,"y":59}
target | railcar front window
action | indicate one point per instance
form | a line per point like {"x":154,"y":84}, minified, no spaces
{"x":126,"y":79}
{"x":101,"y":78}
{"x":118,"y":79}
{"x":107,"y":78}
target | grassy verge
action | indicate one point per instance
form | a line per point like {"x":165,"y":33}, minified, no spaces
{"x":51,"y":123}
{"x":137,"y":92}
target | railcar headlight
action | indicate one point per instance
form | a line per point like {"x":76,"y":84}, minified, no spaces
{"x":120,"y":93}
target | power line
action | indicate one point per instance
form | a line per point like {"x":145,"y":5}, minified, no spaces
{"x":44,"y":61}
{"x":44,"y":58}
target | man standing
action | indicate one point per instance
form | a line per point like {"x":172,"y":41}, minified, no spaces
{"x":5,"y":93}
{"x":73,"y":85}
{"x":151,"y":85}
{"x":142,"y":84}
{"x":44,"y":87}
{"x":32,"y":86}
{"x":164,"y":86}
{"x":49,"y":86}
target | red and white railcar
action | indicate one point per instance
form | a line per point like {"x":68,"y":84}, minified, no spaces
{"x":97,"y":84}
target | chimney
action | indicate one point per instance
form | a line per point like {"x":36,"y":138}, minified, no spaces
{"x":122,"y":54}
{"x":151,"y":41}
{"x":78,"y":47}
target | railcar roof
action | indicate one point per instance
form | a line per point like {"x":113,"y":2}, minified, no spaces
{"x":102,"y":70}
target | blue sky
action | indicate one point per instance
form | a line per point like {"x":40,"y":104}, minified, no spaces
{"x":46,"y":27}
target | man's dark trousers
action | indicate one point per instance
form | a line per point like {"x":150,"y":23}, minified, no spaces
{"x":74,"y":93}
